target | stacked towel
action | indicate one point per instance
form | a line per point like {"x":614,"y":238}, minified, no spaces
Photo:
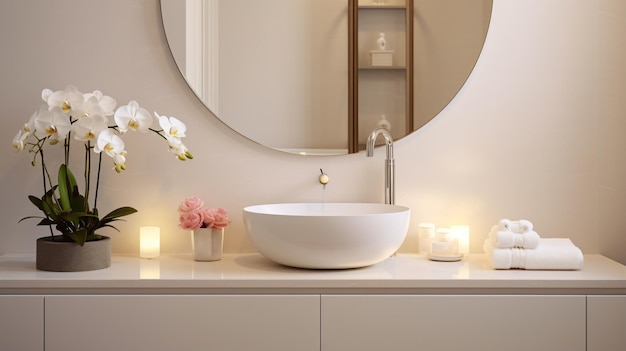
{"x":515,"y":245}
{"x":558,"y":254}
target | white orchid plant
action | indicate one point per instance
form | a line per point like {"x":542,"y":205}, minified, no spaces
{"x":68,"y":117}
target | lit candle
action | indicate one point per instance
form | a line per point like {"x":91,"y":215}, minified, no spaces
{"x":462,"y":233}
{"x":149,"y":242}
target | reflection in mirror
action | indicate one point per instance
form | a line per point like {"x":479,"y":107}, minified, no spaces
{"x":277,"y":71}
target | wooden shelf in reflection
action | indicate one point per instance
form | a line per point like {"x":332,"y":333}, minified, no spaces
{"x":382,"y":7}
{"x":382,"y":67}
{"x":385,"y":89}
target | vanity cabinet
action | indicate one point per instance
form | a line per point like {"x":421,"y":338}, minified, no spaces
{"x":245,"y":302}
{"x":182,"y":322}
{"x":606,"y":323}
{"x":21,"y":323}
{"x":380,"y":77}
{"x":453,"y":322}
{"x":313,"y":322}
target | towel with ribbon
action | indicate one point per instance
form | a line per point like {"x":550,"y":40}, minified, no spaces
{"x":504,"y":239}
{"x":509,"y":234}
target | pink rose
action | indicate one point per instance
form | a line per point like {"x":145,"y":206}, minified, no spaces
{"x":220,"y":218}
{"x":190,"y":204}
{"x":192,"y":215}
{"x":209,"y":218}
{"x":191,"y":220}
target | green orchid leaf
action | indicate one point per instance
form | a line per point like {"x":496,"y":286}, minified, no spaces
{"x":74,"y":216}
{"x":51,"y":210}
{"x":36,"y":201}
{"x":46,"y":221}
{"x":91,"y":223}
{"x":50,"y":194}
{"x":64,"y":196}
{"x":94,"y":237}
{"x":110,"y":226}
{"x":70,"y":178}
{"x":120,"y":212}
{"x":79,"y":236}
{"x":77,"y":203}
{"x":68,"y":188}
{"x":30,"y":217}
{"x":49,"y":204}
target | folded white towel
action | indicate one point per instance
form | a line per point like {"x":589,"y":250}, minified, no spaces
{"x":551,"y":254}
{"x":507,"y":239}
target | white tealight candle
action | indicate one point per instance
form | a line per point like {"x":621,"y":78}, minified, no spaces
{"x":149,"y":242}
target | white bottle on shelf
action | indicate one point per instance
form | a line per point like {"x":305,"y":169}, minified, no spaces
{"x":381,"y":41}
{"x":384,"y":122}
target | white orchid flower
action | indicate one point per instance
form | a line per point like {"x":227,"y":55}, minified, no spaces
{"x":173,"y":131}
{"x":172,"y":127}
{"x":109,"y":143}
{"x":68,"y":99}
{"x":89,"y":107}
{"x":112,"y":145}
{"x":19,"y":139}
{"x":179,"y":149}
{"x":132,"y":117}
{"x":29,"y":127}
{"x":120,"y":162}
{"x":106,"y":103}
{"x":88,"y":128}
{"x":52,"y":123}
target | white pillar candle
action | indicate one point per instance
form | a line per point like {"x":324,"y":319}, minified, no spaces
{"x":149,"y":242}
{"x":462,"y":233}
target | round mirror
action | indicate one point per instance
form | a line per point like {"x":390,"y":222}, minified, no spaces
{"x":282,"y":72}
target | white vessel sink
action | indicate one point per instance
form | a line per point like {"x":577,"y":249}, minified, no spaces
{"x":327,"y":235}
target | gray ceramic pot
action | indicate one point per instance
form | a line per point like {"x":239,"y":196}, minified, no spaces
{"x":63,"y":256}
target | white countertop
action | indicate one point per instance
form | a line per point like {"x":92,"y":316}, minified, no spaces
{"x":254,"y":274}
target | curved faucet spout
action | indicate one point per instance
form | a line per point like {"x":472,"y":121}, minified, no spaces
{"x":389,"y":161}
{"x":371,"y":141}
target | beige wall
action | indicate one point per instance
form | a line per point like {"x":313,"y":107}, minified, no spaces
{"x":536,"y":133}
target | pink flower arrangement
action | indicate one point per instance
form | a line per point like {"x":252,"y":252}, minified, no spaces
{"x":193,"y":215}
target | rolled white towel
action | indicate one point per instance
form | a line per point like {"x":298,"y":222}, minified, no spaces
{"x":507,"y":239}
{"x":521,"y":226}
{"x":505,"y":224}
{"x":551,"y":254}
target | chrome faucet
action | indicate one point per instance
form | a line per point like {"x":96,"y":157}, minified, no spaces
{"x":389,"y":162}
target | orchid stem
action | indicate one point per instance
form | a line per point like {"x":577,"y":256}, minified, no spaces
{"x":67,"y":149}
{"x":44,"y":172}
{"x":95,"y":200}
{"x":158,"y":132}
{"x":87,"y":174}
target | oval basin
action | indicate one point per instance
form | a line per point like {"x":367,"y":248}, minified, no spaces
{"x":327,"y":235}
